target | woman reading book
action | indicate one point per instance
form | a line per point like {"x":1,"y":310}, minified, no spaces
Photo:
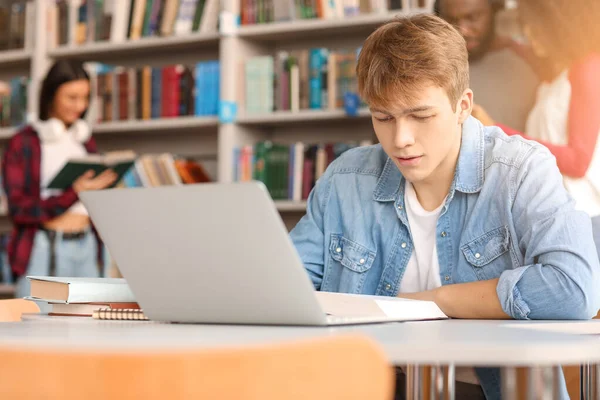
{"x":565,"y":35}
{"x":52,"y":233}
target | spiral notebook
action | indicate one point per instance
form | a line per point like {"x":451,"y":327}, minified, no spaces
{"x":124,"y":314}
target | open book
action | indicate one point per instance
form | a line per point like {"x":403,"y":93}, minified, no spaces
{"x":119,"y":162}
{"x":394,"y":308}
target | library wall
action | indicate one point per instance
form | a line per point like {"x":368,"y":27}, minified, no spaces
{"x":174,"y":78}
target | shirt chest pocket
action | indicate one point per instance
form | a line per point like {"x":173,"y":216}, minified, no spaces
{"x":348,"y":266}
{"x":488,"y":254}
{"x":350,"y":254}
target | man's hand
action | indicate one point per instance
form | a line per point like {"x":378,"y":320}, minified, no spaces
{"x":473,"y":300}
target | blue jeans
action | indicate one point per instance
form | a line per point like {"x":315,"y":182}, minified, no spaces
{"x":74,"y":258}
{"x":6,"y":273}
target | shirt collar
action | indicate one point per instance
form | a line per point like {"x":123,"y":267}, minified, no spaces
{"x":469,"y":174}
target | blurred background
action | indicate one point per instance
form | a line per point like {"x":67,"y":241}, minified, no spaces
{"x":233,"y":90}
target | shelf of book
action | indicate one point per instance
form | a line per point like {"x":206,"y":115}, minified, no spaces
{"x":232,"y":48}
{"x":313,"y":28}
{"x":290,"y":206}
{"x":103,"y":51}
{"x":158,"y":125}
{"x":290,"y":117}
{"x":15,"y":58}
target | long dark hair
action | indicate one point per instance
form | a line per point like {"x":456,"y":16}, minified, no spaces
{"x":61,"y":72}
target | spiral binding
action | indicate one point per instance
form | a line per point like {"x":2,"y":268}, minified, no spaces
{"x":124,"y":314}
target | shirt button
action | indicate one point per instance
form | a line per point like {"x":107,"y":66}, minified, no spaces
{"x":362,"y":261}
{"x":403,"y":245}
{"x":477,"y":255}
{"x":338,"y":250}
{"x":399,"y":207}
{"x":443,"y":234}
{"x":447,"y":278}
{"x":388,"y":286}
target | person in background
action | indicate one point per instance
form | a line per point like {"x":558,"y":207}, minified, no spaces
{"x":5,"y":273}
{"x":52,"y":233}
{"x":446,"y":209}
{"x":500,"y":77}
{"x":566,"y":116}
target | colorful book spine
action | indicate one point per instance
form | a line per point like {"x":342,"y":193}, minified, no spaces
{"x":316,"y":78}
{"x":288,"y":171}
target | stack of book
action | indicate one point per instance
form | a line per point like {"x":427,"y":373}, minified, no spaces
{"x":81,"y":297}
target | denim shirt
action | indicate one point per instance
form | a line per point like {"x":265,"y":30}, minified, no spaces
{"x":507,"y":216}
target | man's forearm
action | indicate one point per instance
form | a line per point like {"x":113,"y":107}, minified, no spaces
{"x":473,"y":300}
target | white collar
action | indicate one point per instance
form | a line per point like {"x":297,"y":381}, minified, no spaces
{"x":53,"y":130}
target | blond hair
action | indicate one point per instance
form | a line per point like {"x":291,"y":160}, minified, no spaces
{"x":409,"y":53}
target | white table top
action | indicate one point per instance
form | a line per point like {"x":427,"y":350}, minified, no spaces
{"x":468,"y":343}
{"x":591,"y":327}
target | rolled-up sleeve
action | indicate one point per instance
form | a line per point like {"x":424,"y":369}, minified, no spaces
{"x":560,"y":278}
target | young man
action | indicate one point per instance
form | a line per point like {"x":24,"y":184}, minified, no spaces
{"x":445,"y":209}
{"x":500,"y":77}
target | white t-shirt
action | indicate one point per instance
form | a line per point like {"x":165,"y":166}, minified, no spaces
{"x":548,"y":122}
{"x":58,"y":145}
{"x":423,"y":268}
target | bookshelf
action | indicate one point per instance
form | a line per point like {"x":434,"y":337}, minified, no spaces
{"x":286,"y":127}
{"x":148,"y":46}
{"x":279,"y":118}
{"x":318,"y":28}
{"x":155,"y":126}
{"x":209,"y":137}
{"x":292,"y":206}
{"x":15,"y":59}
{"x":289,"y":126}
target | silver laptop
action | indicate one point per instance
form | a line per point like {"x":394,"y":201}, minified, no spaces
{"x":209,"y":253}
